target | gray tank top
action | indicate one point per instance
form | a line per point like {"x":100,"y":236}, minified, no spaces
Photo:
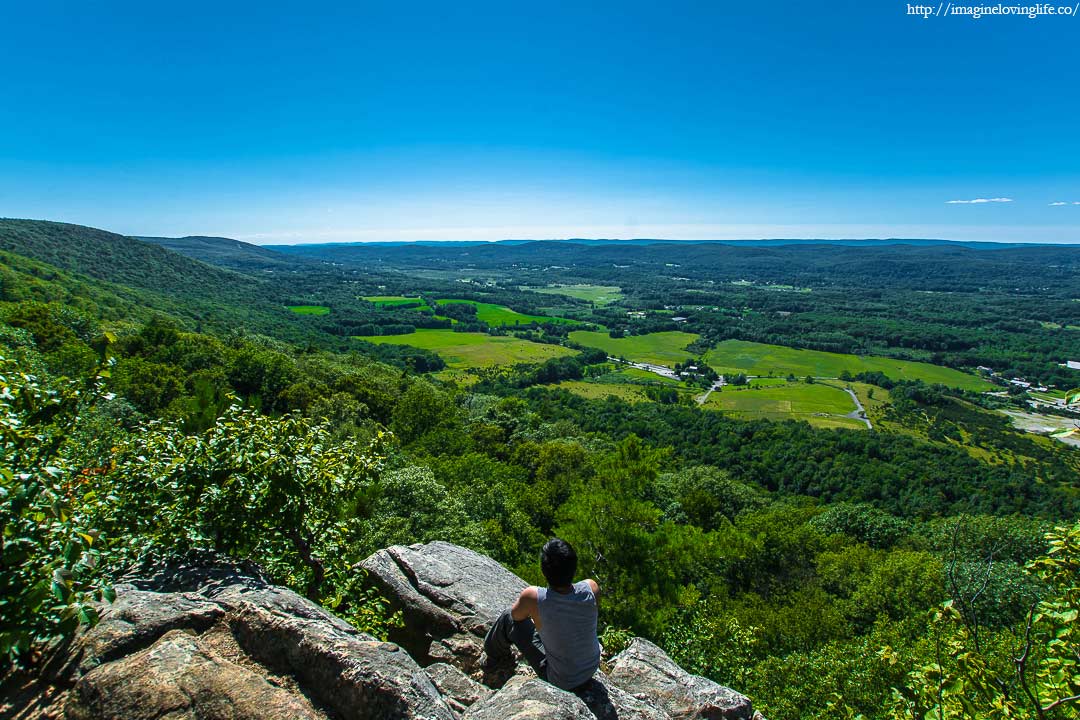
{"x":568,"y":629}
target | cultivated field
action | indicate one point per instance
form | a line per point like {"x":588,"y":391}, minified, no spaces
{"x":822,"y":405}
{"x":734,"y":356}
{"x":496,"y":315}
{"x":462,"y":351}
{"x":662,"y":348}
{"x":394,"y":300}
{"x":594,"y":390}
{"x":309,"y":309}
{"x":599,"y":294}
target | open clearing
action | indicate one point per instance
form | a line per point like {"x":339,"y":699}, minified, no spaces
{"x":309,"y":309}
{"x":661,"y":348}
{"x":474,"y":350}
{"x":732,"y":356}
{"x":496,"y":315}
{"x":599,"y":294}
{"x":594,"y":390}
{"x":821,"y":405}
{"x":395,"y":300}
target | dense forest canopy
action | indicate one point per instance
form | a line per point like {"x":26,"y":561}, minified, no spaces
{"x":302,"y":407}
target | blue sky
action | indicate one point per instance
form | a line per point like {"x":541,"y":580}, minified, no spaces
{"x":280,"y":123}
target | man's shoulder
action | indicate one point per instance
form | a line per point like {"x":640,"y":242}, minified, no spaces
{"x":593,"y":585}
{"x":528,"y":593}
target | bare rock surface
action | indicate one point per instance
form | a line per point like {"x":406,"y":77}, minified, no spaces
{"x":207,"y":638}
{"x":458,"y":689}
{"x":645,"y":671}
{"x":179,"y":678}
{"x":448,"y":596}
{"x":530,"y":699}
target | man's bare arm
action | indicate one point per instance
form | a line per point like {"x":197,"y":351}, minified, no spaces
{"x":593,"y":586}
{"x":526,"y":606}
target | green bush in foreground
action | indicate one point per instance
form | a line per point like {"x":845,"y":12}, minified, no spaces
{"x":50,"y":553}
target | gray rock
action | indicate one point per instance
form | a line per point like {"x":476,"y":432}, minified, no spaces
{"x":458,"y":689}
{"x":606,"y":701}
{"x":357,"y":676}
{"x":529,"y":699}
{"x":180,"y":679}
{"x":137,"y":619}
{"x":446,"y":593}
{"x":209,"y":638}
{"x":645,"y":671}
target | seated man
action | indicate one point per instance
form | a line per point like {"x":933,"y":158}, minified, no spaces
{"x":553,"y":627}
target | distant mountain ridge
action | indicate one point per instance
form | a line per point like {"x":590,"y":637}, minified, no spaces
{"x":165,"y":281}
{"x":225,"y":252}
{"x":771,"y":242}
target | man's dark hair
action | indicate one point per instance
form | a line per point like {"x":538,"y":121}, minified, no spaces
{"x":558,"y":562}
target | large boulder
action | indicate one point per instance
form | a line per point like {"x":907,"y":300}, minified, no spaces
{"x":180,"y":678}
{"x":219,"y":641}
{"x":646,"y":671}
{"x":210,"y":639}
{"x":449,"y":597}
{"x":530,"y":699}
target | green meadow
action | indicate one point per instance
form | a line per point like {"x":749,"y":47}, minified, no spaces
{"x":594,"y":390}
{"x":462,"y":351}
{"x":496,"y":315}
{"x":734,"y":356}
{"x":309,"y":309}
{"x":820,"y":404}
{"x":394,"y":300}
{"x":661,"y":348}
{"x":599,"y":294}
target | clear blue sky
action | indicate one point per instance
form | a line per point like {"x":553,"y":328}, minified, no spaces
{"x":381,"y":121}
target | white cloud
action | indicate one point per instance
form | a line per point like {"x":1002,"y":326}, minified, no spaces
{"x":978,"y":201}
{"x":1056,"y":204}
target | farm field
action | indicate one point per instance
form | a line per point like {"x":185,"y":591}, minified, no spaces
{"x":309,"y":309}
{"x":496,"y":315}
{"x":661,"y":348}
{"x":599,"y":294}
{"x":760,"y":359}
{"x":594,"y":390}
{"x":395,"y":300}
{"x":462,"y":351}
{"x":820,"y":404}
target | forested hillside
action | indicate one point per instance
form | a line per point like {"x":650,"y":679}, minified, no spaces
{"x":885,"y":560}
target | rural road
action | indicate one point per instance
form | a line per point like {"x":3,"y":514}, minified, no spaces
{"x":859,"y":413}
{"x":718,"y":384}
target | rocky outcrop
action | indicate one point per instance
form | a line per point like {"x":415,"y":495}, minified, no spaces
{"x":180,"y":677}
{"x":645,"y":671}
{"x":209,"y":639}
{"x":449,"y":596}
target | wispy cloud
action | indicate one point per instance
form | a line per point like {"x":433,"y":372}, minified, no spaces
{"x":1056,"y":204}
{"x":978,"y":201}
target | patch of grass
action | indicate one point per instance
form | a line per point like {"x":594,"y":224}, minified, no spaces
{"x":462,"y":351}
{"x":731,"y":356}
{"x":309,"y":309}
{"x":790,"y":399}
{"x":638,"y":375}
{"x":820,"y":404}
{"x":599,"y":294}
{"x":497,"y":315}
{"x":661,"y":348}
{"x":395,"y":300}
{"x":766,"y":381}
{"x":594,"y":390}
